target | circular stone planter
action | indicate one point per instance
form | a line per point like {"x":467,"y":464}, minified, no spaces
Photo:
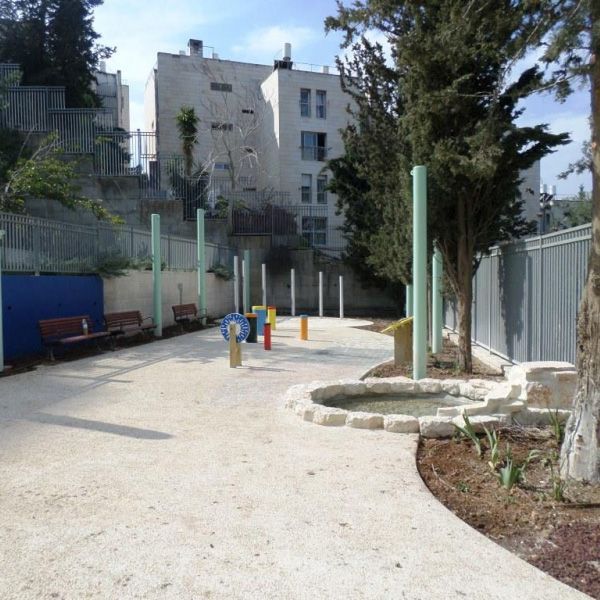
{"x":488,"y":404}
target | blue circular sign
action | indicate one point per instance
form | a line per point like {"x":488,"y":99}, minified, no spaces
{"x":241,"y":324}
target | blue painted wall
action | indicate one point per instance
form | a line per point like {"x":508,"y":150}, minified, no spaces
{"x":27,"y":299}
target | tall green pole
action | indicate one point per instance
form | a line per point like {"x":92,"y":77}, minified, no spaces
{"x":1,"y":325}
{"x":246,"y":275}
{"x":202,"y":304}
{"x":436,"y":302}
{"x":409,"y":300}
{"x":419,"y":174}
{"x":156,"y":275}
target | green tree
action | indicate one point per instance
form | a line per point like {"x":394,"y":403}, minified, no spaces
{"x":46,"y":175}
{"x":55,"y":43}
{"x":187,"y":126}
{"x":577,"y":209}
{"x":446,"y":99}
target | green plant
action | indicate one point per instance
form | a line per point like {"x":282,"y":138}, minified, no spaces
{"x":558,"y":484}
{"x":512,"y":473}
{"x":558,"y":426}
{"x":221,"y":271}
{"x":186,"y":121}
{"x":461,"y":486}
{"x":114,"y":265}
{"x":468,"y":432}
{"x":493,"y":440}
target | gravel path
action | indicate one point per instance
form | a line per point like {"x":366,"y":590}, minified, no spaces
{"x":158,"y":472}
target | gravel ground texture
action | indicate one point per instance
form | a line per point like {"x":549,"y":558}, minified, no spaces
{"x":159,"y":472}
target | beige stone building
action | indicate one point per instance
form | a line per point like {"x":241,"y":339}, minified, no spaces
{"x":261,"y":127}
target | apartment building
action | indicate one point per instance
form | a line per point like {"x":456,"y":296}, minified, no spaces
{"x":260,"y":127}
{"x":114,"y":95}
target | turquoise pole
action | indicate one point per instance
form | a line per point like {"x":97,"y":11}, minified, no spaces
{"x":436,"y":302}
{"x":246,"y":275}
{"x":202,"y":305}
{"x":409,"y":300}
{"x":156,"y":275}
{"x":419,"y":174}
{"x":1,"y":324}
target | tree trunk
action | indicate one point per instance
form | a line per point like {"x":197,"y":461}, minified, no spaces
{"x":464,"y":292}
{"x":580,"y":454}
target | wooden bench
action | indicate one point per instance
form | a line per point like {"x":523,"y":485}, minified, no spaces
{"x":66,"y":331}
{"x":129,"y":321}
{"x":185,"y":313}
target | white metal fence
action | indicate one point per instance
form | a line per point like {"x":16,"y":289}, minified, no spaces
{"x":34,"y":245}
{"x":526,"y":296}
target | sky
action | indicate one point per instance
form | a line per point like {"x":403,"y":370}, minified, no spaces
{"x":255,"y":31}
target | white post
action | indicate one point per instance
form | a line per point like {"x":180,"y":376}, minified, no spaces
{"x":264,"y":285}
{"x":236,"y":284}
{"x":341,"y":296}
{"x":293,"y":291}
{"x":320,"y":293}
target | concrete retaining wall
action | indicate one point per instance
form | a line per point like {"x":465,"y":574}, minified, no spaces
{"x":134,"y":291}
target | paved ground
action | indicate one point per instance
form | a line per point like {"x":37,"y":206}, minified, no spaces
{"x":158,"y":472}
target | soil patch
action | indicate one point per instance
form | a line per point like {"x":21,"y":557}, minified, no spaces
{"x":561,"y":538}
{"x":441,"y":366}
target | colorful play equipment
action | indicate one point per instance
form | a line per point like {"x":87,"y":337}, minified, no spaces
{"x":304,"y":327}
{"x":235,"y":328}
{"x":261,"y":318}
{"x":267,"y":336}
{"x":252,"y":320}
{"x":272,"y":317}
{"x":201,"y":256}
{"x":403,"y":340}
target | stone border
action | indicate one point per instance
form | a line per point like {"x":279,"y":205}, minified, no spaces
{"x":491,"y":404}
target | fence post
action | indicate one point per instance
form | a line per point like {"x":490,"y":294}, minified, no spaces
{"x":541,"y":299}
{"x":139,"y":149}
{"x":132,"y":243}
{"x":490,"y":305}
{"x":341,"y":296}
{"x":436,"y":302}
{"x":169,"y":266}
{"x":2,"y":232}
{"x":419,"y":174}
{"x":201,"y":250}
{"x":246,"y":276}
{"x":293,"y":291}
{"x":37,"y":259}
{"x":156,"y":275}
{"x":409,"y":300}
{"x":236,"y":284}
{"x":320,"y":293}
{"x":264,"y":283}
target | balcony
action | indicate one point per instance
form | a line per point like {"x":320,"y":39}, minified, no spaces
{"x":314,"y":152}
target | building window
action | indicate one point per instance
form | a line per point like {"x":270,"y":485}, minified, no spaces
{"x":221,"y":166}
{"x":306,"y":188}
{"x":314,"y":230}
{"x":322,"y":189}
{"x":313,"y":145}
{"x":305,"y":102}
{"x":217,"y":86}
{"x":221,"y":126}
{"x":321,"y":104}
{"x":247,"y":111}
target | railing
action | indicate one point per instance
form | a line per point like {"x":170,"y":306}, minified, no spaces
{"x":526,"y":296}
{"x":10,"y":70}
{"x":26,"y":108}
{"x":125,"y":153}
{"x":314,"y":152}
{"x":77,"y":128}
{"x":34,"y":245}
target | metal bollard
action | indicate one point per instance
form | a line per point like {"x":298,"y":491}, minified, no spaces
{"x":304,"y":327}
{"x":267,"y":336}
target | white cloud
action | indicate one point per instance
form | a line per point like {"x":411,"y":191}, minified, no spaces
{"x":264,"y":44}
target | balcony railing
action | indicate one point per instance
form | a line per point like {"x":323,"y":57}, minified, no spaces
{"x":314,"y":152}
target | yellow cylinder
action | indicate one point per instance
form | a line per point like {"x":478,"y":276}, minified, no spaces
{"x":272,"y":317}
{"x":304,"y":327}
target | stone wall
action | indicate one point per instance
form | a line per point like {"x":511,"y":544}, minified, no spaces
{"x":134,"y":292}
